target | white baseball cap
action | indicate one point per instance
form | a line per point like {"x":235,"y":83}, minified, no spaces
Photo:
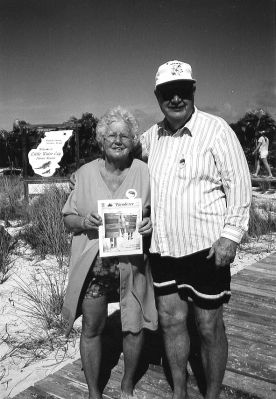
{"x":173,"y":70}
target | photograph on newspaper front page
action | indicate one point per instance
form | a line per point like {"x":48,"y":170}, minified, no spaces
{"x":118,"y":234}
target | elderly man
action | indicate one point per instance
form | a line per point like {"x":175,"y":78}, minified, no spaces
{"x":201,"y":194}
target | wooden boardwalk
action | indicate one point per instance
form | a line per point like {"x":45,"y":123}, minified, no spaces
{"x":250,"y":320}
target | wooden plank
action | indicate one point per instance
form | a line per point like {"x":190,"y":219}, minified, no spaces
{"x":266,"y":264}
{"x":257,"y":306}
{"x":269,"y":318}
{"x":267,"y":287}
{"x":251,"y":367}
{"x":252,"y":386}
{"x":62,"y":388}
{"x":269,"y":260}
{"x":263,"y":271}
{"x":261,"y":266}
{"x":263,"y":321}
{"x":247,"y":335}
{"x":257,"y":277}
{"x":33,"y":393}
{"x":258,"y":282}
{"x":268,"y":332}
{"x":258,"y":268}
{"x":239,"y":287}
{"x":244,"y":344}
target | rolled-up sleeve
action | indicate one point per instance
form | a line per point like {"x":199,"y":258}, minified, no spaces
{"x":70,"y":207}
{"x":236,"y":182}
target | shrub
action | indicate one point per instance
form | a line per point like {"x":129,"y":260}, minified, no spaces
{"x":262,"y":219}
{"x":46,"y":232}
{"x":6,"y":261}
{"x":43,"y":297}
{"x":11,"y":197}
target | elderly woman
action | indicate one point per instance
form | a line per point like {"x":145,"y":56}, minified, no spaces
{"x":93,"y":281}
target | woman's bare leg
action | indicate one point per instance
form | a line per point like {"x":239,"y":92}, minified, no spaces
{"x":267,"y":167}
{"x":257,"y":167}
{"x":132,"y":348}
{"x":93,"y":322}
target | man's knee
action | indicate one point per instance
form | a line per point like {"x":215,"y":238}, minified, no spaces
{"x":172,"y":317}
{"x":210,"y":325}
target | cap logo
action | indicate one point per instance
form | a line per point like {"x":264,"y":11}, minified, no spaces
{"x":176,"y":69}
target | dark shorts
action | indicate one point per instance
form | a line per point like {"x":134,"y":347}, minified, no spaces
{"x":193,"y":277}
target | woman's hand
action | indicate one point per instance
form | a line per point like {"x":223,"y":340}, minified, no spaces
{"x":145,"y":227}
{"x":91,"y":221}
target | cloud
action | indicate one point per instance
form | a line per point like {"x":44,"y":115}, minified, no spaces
{"x":145,"y":119}
{"x":210,"y":109}
{"x":267,"y":96}
{"x":226,"y":111}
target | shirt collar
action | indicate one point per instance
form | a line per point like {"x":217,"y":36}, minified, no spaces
{"x":164,"y":129}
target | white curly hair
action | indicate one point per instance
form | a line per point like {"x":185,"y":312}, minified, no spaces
{"x":114,"y":115}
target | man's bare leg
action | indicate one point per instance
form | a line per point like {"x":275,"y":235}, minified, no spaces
{"x":173,"y":312}
{"x":214,"y":348}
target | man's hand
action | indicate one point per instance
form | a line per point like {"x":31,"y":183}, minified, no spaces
{"x":145,"y":227}
{"x":140,"y":152}
{"x":72,"y":181}
{"x":224,"y":251}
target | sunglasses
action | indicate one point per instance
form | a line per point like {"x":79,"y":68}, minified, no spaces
{"x":167,"y":92}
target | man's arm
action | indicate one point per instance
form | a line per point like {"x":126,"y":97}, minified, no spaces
{"x":140,"y":150}
{"x":236,"y":182}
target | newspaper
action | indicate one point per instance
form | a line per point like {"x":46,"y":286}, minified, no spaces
{"x":118,"y":234}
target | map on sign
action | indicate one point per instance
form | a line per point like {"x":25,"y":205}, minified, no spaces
{"x":46,"y":157}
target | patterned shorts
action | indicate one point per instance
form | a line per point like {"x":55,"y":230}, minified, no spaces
{"x":103,"y":279}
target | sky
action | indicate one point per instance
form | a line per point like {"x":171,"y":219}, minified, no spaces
{"x":61,"y":58}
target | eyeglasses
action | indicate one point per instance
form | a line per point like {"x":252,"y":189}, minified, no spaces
{"x":167,"y":92}
{"x":115,"y":136}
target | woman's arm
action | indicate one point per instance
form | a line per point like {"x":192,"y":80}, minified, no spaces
{"x":77,"y":224}
{"x":257,"y":148}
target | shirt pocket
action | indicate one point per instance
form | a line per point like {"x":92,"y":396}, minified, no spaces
{"x":197,"y":165}
{"x":183,"y":166}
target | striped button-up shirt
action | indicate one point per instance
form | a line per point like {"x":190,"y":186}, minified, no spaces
{"x":200,"y":185}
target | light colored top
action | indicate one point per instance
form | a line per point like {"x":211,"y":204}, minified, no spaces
{"x":136,"y":289}
{"x":200,"y":185}
{"x":264,"y":144}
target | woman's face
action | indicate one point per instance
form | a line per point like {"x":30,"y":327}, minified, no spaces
{"x":118,"y":141}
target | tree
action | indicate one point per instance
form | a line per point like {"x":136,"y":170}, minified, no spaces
{"x":3,"y":148}
{"x":247,"y":128}
{"x":88,"y":146}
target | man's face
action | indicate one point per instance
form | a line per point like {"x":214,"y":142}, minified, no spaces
{"x":176,"y":100}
